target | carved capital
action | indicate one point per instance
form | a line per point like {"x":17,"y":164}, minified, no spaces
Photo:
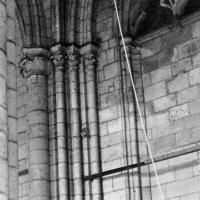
{"x":73,"y":58}
{"x":58,"y":55}
{"x":91,"y":59}
{"x":35,"y":62}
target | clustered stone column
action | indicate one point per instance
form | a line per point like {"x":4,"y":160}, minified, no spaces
{"x":73,"y":61}
{"x":59,"y":58}
{"x":3,"y":107}
{"x":35,"y":68}
{"x":90,"y":68}
{"x":134,"y":154}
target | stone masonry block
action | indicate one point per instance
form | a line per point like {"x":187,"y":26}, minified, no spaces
{"x":11,"y":29}
{"x":104,"y":86}
{"x":3,"y":146}
{"x":164,"y":144}
{"x":4,"y":176}
{"x":182,"y":66}
{"x":114,"y":126}
{"x":187,"y":48}
{"x":2,"y":35}
{"x":178,"y":188}
{"x":193,"y":196}
{"x":12,"y":124}
{"x":12,"y":103}
{"x":110,"y":55}
{"x":194,"y":106}
{"x":164,"y":103}
{"x":11,"y":52}
{"x":178,"y":112}
{"x":3,"y":92}
{"x":178,"y":83}
{"x":112,"y":153}
{"x":188,"y":137}
{"x":168,"y":129}
{"x":188,"y":94}
{"x":108,"y":114}
{"x":194,"y":76}
{"x":195,"y":29}
{"x":21,"y":124}
{"x":196,"y":59}
{"x":146,"y":80}
{"x":157,"y":119}
{"x":161,"y":74}
{"x":155,"y":91}
{"x":12,"y":79}
{"x":3,"y":63}
{"x":22,"y":152}
{"x":108,"y":185}
{"x":111,"y":71}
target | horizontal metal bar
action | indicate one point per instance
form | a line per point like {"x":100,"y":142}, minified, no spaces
{"x":182,"y":152}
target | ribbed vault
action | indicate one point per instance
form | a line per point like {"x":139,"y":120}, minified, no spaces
{"x":44,"y":23}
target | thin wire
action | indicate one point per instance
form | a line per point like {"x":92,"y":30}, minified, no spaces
{"x":137,"y":103}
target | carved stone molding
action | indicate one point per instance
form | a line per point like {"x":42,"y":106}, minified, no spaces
{"x":35,"y":62}
{"x":59,"y":55}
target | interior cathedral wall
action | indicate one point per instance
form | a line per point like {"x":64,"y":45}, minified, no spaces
{"x":167,"y":75}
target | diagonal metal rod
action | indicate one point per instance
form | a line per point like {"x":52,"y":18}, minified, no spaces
{"x":137,"y":103}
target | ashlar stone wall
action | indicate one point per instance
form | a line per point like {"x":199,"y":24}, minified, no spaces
{"x":171,"y":69}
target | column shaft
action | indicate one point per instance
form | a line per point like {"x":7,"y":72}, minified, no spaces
{"x":93,"y":122}
{"x":3,"y":107}
{"x":58,"y":56}
{"x":35,"y":71}
{"x":75,"y":126}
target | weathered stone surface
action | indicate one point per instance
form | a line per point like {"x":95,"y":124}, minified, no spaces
{"x":196,"y":60}
{"x":149,"y":64}
{"x":178,"y":112}
{"x":194,"y":76}
{"x":188,"y":48}
{"x":188,"y":136}
{"x":164,"y":103}
{"x":194,"y":106}
{"x":155,"y":91}
{"x":178,"y":83}
{"x":188,"y":94}
{"x":111,"y":71}
{"x":182,"y":66}
{"x":114,"y":126}
{"x":157,"y":119}
{"x":161,"y":74}
{"x":146,"y":78}
{"x":176,"y":188}
{"x":164,"y":144}
{"x":167,"y":129}
{"x":108,"y":114}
